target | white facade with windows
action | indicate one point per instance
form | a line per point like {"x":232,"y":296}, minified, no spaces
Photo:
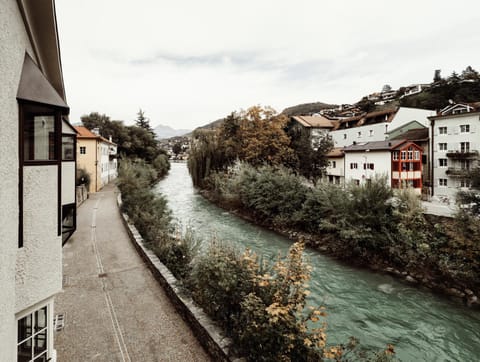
{"x":455,"y":145}
{"x":37,"y":175}
{"x":360,"y":131}
{"x":362,"y":166}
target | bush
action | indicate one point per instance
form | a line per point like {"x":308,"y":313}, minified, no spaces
{"x":262,"y":306}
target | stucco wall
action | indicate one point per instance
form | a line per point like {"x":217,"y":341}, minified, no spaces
{"x":87,"y":161}
{"x":380,"y":159}
{"x":13,"y":44}
{"x":39,"y":262}
{"x":68,"y":179}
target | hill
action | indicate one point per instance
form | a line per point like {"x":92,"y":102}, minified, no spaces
{"x":307,"y":108}
{"x":164,"y":132}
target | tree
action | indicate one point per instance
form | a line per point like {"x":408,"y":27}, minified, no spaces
{"x":143,"y":121}
{"x":470,"y":74}
{"x":366,"y":105}
{"x":386,"y":88}
{"x":470,"y":200}
{"x":263,"y":140}
{"x":177,"y":148}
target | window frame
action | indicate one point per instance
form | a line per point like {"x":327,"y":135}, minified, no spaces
{"x":442,"y":130}
{"x":465,"y":128}
{"x":45,"y":330}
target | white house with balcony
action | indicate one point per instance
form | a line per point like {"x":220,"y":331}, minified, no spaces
{"x":455,"y":148}
{"x":37,"y":178}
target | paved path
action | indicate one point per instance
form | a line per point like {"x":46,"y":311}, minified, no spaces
{"x":114,"y":308}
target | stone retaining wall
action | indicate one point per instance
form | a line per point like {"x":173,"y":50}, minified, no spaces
{"x":207,"y":332}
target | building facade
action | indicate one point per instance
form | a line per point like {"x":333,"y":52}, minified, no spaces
{"x":37,"y":176}
{"x":97,"y":156}
{"x":455,"y":148}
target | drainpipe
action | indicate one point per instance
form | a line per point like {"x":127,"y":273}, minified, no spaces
{"x":432,"y":179}
{"x":96,"y":165}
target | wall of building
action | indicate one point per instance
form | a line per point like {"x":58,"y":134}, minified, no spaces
{"x":380,"y":159}
{"x":453,"y":139}
{"x":68,"y":179}
{"x":39,"y":261}
{"x":88,"y":160}
{"x":13,"y":44}
{"x":377,"y":132}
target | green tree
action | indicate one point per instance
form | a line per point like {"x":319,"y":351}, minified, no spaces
{"x":177,"y":148}
{"x":143,"y":121}
{"x":470,"y":74}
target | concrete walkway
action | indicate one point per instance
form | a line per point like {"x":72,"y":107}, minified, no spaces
{"x":114,"y":309}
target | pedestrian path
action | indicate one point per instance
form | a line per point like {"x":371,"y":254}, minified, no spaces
{"x":114,"y":310}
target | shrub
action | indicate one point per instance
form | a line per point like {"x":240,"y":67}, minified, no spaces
{"x":262,"y":306}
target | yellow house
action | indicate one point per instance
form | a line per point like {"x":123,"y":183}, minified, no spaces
{"x":97,"y":156}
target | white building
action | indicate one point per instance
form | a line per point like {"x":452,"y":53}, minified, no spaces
{"x":374,"y":126}
{"x":399,"y":161}
{"x":37,"y":178}
{"x":455,"y":148}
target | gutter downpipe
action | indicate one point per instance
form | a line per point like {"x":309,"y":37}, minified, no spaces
{"x":432,"y":180}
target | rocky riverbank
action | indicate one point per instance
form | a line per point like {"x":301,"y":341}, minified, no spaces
{"x":421,"y":276}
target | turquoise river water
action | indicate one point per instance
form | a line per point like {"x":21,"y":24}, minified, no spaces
{"x":375,"y":308}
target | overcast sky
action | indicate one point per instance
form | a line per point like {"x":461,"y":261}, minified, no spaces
{"x":186,"y":63}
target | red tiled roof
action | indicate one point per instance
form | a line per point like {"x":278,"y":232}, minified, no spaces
{"x":84,"y":132}
{"x":314,"y":121}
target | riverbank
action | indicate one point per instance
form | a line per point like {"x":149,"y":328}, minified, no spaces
{"x":326,"y":244}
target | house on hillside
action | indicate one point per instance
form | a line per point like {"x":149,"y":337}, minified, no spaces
{"x":374,"y":126}
{"x":37,"y":169}
{"x":455,"y":148}
{"x":317,"y":126}
{"x":97,"y":156}
{"x":335,"y":171}
{"x":399,"y":161}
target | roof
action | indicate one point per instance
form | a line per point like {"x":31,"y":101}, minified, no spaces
{"x":369,"y":118}
{"x":419,"y":134}
{"x":34,"y":86}
{"x":84,"y":132}
{"x":314,"y":121}
{"x":336,"y":152}
{"x":457,"y":110}
{"x":375,"y":146}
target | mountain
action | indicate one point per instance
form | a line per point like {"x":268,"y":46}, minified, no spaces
{"x":306,"y":109}
{"x":164,"y":132}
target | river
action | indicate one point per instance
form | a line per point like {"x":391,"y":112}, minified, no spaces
{"x":375,"y":308}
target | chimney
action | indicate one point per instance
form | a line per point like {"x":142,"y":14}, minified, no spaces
{"x":110,"y":138}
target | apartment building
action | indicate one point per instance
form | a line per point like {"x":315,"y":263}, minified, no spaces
{"x":37,"y":178}
{"x":455,"y":148}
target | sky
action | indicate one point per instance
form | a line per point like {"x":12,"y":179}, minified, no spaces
{"x":188,"y":62}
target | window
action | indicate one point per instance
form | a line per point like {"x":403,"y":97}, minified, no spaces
{"x":371,"y":133}
{"x":356,"y":182}
{"x":38,"y":136}
{"x":353,"y":165}
{"x":333,"y":164}
{"x":68,"y":145}
{"x":69,"y":223}
{"x":464,"y":128}
{"x":442,"y":130}
{"x":410,"y":155}
{"x":395,"y":155}
{"x":417,"y":155}
{"x":32,"y":332}
{"x":464,"y":147}
{"x":359,"y":134}
{"x":404,"y":155}
{"x":442,"y":162}
{"x":344,"y":136}
{"x":368,"y":166}
{"x":465,"y":165}
{"x":442,"y":182}
{"x":465,"y":183}
{"x":442,"y":146}
{"x":83,"y":150}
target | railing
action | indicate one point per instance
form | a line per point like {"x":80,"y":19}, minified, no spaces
{"x":462,"y":154}
{"x":457,"y":172}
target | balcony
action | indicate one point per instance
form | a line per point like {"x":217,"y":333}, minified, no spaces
{"x":457,"y":172}
{"x":462,"y":155}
